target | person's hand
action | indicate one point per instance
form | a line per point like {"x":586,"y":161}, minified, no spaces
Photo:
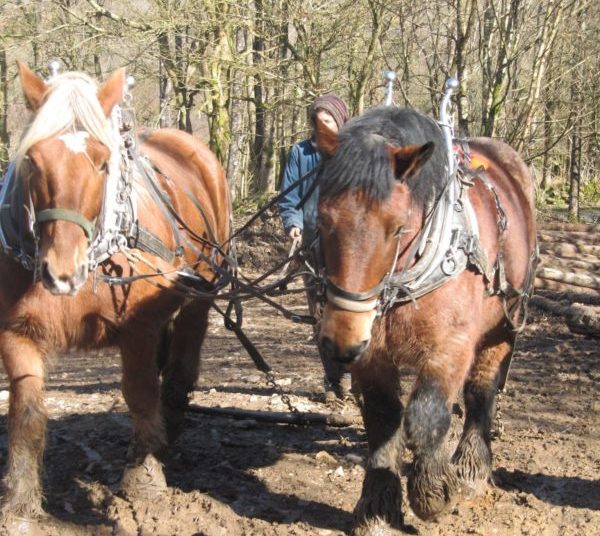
{"x":294,"y":233}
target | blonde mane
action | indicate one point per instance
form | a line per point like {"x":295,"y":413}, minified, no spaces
{"x":71,"y":105}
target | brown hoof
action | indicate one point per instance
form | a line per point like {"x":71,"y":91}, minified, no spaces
{"x":433,"y":490}
{"x":145,"y":480}
{"x":380,"y":504}
{"x":22,"y":510}
{"x":13,"y":525}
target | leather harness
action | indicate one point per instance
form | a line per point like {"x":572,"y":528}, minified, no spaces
{"x":447,"y":245}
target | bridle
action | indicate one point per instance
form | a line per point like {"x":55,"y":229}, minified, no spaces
{"x":365,"y":301}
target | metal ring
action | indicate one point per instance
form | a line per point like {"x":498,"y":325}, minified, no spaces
{"x":449,"y":265}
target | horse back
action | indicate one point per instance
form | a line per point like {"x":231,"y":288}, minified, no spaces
{"x":504,"y":197}
{"x":190,"y":169}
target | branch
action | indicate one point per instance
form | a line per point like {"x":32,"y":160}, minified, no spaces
{"x":118,"y":18}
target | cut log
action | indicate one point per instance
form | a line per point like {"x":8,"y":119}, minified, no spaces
{"x":549,"y":305}
{"x":550,"y":260}
{"x":583,"y":239}
{"x":566,"y":249}
{"x":579,"y":279}
{"x":589,"y":298}
{"x":581,"y":319}
{"x":546,"y":284}
{"x":577,"y":227}
{"x":283,"y":417}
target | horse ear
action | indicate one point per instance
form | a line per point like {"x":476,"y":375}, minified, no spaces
{"x":111,"y":92}
{"x":34,"y":88}
{"x":407,"y":161}
{"x":326,"y":139}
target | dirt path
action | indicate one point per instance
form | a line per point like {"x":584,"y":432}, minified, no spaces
{"x":244,"y":478}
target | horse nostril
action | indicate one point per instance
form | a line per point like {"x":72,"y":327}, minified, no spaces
{"x":46,"y":274}
{"x":355,"y":352}
{"x":331,"y":351}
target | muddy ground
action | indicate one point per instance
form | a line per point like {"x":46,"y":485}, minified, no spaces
{"x":230,"y":477}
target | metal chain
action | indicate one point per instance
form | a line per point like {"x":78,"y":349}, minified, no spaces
{"x":270,"y":377}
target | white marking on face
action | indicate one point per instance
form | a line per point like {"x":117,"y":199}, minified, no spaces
{"x":75,"y":141}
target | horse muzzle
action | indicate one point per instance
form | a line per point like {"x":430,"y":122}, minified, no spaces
{"x":346,"y":355}
{"x":344,"y":336}
{"x":63,"y":283}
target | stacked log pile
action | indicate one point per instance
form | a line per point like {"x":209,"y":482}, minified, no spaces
{"x":568,"y":277}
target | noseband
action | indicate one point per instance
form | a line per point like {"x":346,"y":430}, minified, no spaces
{"x":361,"y":302}
{"x":65,"y":214}
{"x":356,"y":302}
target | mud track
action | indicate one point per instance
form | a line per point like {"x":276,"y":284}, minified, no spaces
{"x":230,"y":477}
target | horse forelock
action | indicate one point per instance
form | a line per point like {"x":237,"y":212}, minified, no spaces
{"x":71,"y":106}
{"x":362,"y":160}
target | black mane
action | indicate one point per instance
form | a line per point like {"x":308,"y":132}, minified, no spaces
{"x":362,"y":160}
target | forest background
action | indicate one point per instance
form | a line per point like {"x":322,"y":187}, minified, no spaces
{"x":240,"y":75}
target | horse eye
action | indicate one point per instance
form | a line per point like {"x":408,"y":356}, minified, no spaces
{"x":104,"y":167}
{"x":398,"y":231}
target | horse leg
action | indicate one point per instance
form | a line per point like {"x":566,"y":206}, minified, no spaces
{"x":180,"y":371}
{"x":143,"y":476}
{"x":24,"y":365}
{"x":473,"y":456}
{"x":381,"y":497}
{"x":433,"y":482}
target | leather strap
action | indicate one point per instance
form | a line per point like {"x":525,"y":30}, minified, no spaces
{"x":53,"y":214}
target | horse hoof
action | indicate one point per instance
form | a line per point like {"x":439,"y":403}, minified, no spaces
{"x":473,"y":461}
{"x":380,"y":503}
{"x":19,"y":513}
{"x":14,"y":525}
{"x":473,"y":488}
{"x":145,"y":480}
{"x":432,"y":490}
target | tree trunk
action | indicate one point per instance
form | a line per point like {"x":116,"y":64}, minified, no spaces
{"x":575,"y":172}
{"x":579,"y":279}
{"x":236,"y":125}
{"x":262,"y":147}
{"x":165,"y":90}
{"x":465,"y":16}
{"x":504,"y":27}
{"x":576,"y":132}
{"x":4,"y":135}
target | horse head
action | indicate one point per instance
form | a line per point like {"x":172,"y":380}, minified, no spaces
{"x":371,"y":208}
{"x":63,"y":160}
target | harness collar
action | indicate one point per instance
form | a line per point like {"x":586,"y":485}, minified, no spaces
{"x":447,"y":244}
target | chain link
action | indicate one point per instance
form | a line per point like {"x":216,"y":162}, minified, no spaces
{"x":270,"y":377}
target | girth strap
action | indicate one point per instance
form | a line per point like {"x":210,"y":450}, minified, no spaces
{"x":144,"y":240}
{"x":52,"y":214}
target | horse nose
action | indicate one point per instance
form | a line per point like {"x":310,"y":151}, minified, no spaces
{"x":63,"y":283}
{"x":347,"y":355}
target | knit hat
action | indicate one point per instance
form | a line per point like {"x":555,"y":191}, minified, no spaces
{"x":331,"y":104}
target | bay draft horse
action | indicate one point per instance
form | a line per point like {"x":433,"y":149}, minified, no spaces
{"x":380,"y":177}
{"x":62,"y":163}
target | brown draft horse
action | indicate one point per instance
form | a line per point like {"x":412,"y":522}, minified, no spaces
{"x":63,"y":162}
{"x":381,"y":177}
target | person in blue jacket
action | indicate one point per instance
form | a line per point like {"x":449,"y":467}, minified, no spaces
{"x":301,"y":223}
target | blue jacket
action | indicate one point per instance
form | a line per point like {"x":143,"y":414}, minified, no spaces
{"x":302,"y":158}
